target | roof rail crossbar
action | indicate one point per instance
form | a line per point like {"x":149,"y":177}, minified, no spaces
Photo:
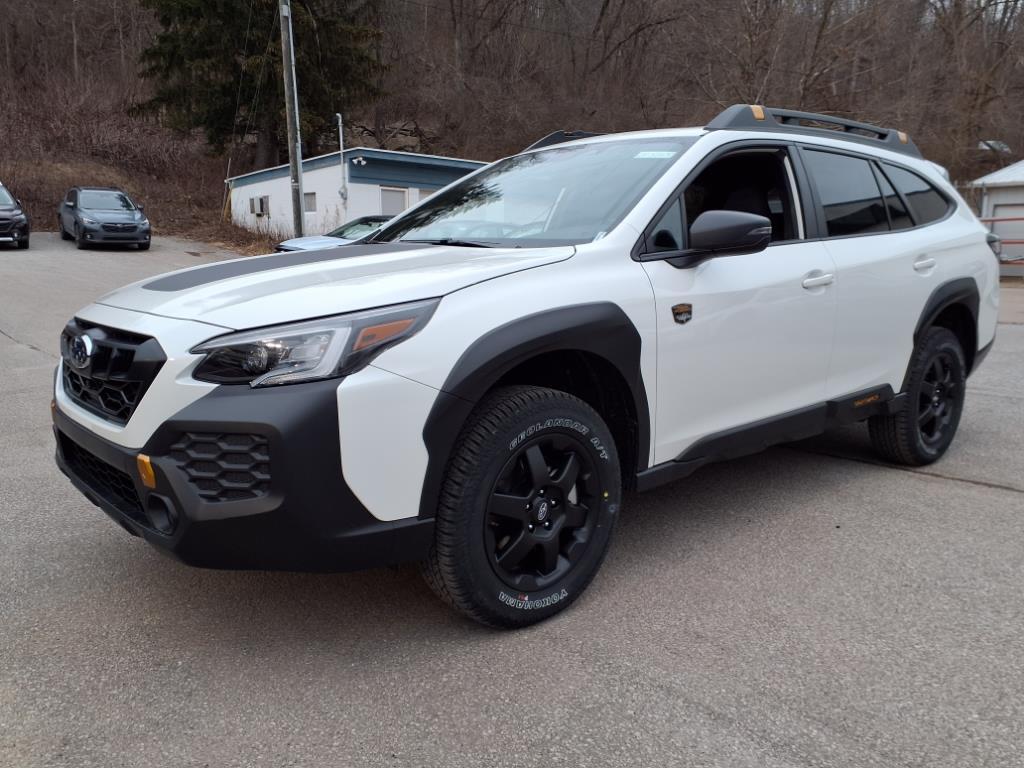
{"x":560,"y":137}
{"x":754,"y":117}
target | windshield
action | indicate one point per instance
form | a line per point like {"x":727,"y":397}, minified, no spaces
{"x":356,"y":228}
{"x":103,"y":200}
{"x":5,"y":197}
{"x":560,"y":196}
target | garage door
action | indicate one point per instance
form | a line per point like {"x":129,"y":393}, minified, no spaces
{"x":1010,"y":230}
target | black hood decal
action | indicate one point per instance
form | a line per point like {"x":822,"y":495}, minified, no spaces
{"x":193,"y":278}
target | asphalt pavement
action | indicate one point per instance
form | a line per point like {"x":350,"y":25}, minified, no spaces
{"x":807,"y":606}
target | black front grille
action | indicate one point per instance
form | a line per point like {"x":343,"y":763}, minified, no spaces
{"x":224,"y":467}
{"x":106,"y":480}
{"x":113,"y":379}
{"x":6,"y":225}
{"x":119,"y":227}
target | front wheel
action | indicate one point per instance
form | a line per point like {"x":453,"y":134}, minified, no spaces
{"x":23,"y":244}
{"x":143,"y":246}
{"x":936,"y":385}
{"x":80,"y":242}
{"x":527,"y":508}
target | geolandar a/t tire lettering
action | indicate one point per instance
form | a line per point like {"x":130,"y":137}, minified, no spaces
{"x":527,"y":508}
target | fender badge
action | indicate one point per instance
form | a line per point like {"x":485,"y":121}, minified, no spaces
{"x":682,"y":313}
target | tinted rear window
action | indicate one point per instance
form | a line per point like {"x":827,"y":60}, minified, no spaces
{"x":849,"y":194}
{"x":898,"y":216}
{"x":926,"y":202}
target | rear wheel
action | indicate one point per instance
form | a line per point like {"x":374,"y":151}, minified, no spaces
{"x":936,"y":386}
{"x":527,"y":507}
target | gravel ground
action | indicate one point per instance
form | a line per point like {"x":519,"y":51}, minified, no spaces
{"x":802,"y":607}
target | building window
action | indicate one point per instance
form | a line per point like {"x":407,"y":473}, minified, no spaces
{"x":425,"y":193}
{"x":260,"y":206}
{"x":392,"y":201}
{"x":309,"y":202}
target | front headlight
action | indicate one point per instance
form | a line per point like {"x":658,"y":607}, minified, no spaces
{"x":87,"y":220}
{"x":316,"y":349}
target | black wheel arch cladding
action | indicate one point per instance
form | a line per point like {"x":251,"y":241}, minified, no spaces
{"x":963,"y":292}
{"x":601,"y":329}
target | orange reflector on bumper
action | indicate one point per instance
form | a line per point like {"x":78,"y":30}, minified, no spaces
{"x":146,"y":470}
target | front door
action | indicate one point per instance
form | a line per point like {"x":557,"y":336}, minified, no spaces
{"x":741,"y":339}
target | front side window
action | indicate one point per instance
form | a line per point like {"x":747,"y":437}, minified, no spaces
{"x":754,"y":181}
{"x":849,"y":194}
{"x":564,"y":195}
{"x":925,"y":201}
{"x":105,"y":200}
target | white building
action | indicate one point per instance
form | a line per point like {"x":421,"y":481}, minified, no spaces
{"x":1002,"y":202}
{"x":379,"y":181}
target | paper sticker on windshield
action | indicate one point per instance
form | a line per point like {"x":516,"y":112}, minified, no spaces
{"x":659,"y":154}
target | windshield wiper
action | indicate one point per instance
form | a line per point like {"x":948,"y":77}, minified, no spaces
{"x":453,"y":241}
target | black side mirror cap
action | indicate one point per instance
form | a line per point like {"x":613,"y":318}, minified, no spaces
{"x":719,"y":233}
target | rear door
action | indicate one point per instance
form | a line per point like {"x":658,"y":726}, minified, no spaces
{"x":744,"y":338}
{"x":886,"y":263}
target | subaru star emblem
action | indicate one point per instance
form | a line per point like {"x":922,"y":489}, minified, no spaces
{"x":542,"y":512}
{"x":81,"y":348}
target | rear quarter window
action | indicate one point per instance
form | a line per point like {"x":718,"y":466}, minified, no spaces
{"x":926,"y":203}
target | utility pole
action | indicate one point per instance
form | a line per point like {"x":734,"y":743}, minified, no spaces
{"x":291,"y":98}
{"x":343,"y":192}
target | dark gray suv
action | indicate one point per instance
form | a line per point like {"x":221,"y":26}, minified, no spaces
{"x":14,"y":224}
{"x":102,"y":216}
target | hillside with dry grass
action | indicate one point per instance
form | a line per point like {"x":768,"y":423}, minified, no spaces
{"x":480,"y":79}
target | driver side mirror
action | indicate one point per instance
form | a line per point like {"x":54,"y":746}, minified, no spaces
{"x":715,"y":233}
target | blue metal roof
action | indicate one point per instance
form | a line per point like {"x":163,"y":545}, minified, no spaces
{"x":382,"y":166}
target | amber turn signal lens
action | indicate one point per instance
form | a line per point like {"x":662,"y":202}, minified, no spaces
{"x":758,"y":111}
{"x":375,"y":334}
{"x":146,"y":470}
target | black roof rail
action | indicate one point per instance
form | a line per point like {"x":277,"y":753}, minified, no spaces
{"x":753,"y":117}
{"x":559,"y":137}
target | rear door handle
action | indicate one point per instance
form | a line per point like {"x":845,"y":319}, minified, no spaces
{"x":819,"y":280}
{"x":924,"y":263}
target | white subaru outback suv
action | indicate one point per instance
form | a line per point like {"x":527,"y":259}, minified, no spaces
{"x":476,"y":385}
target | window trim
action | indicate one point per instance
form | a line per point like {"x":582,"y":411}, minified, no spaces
{"x":822,"y":232}
{"x":803,"y":204}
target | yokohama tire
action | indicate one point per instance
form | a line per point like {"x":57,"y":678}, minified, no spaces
{"x":527,"y":508}
{"x":921,"y":433}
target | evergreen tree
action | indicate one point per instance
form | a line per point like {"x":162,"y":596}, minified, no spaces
{"x":216,"y":66}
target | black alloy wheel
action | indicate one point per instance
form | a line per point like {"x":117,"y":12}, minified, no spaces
{"x":538,"y":515}
{"x":527,"y":508}
{"x":935,"y":389}
{"x":937,"y":399}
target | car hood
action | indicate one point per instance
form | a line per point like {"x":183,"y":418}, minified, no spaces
{"x":111,"y":217}
{"x":311,"y":242}
{"x":296,"y":285}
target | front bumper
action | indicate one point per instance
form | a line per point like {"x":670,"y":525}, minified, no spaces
{"x":292,"y":511}
{"x":94,"y":233}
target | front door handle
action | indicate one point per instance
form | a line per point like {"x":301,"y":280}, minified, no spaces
{"x":924,"y":263}
{"x":819,"y":280}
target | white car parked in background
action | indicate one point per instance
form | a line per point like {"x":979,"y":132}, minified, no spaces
{"x":346,"y":233}
{"x":475,"y":385}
